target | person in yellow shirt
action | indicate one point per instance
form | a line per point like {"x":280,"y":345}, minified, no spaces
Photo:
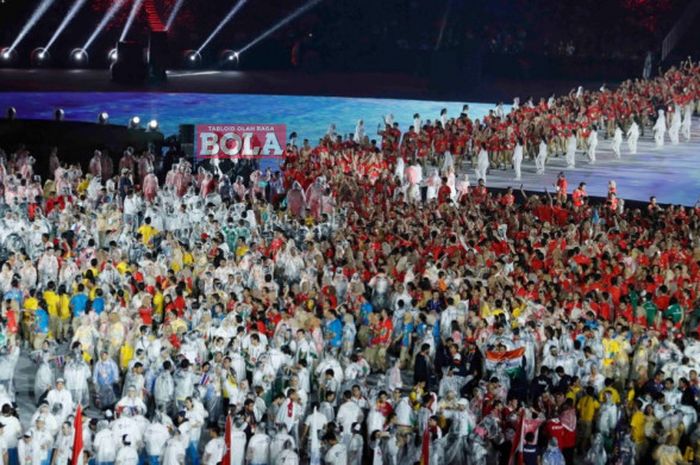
{"x":64,"y":312}
{"x":614,"y":395}
{"x":52,"y":303}
{"x":574,"y":390}
{"x":31,"y":303}
{"x":637,"y":422}
{"x":147,"y":232}
{"x":158,"y":304}
{"x":668,"y":453}
{"x":587,"y":407}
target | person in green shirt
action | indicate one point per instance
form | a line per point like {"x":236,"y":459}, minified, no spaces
{"x":674,"y":312}
{"x":230,"y":234}
{"x":650,"y":309}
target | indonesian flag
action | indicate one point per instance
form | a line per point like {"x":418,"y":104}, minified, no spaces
{"x":512,"y":360}
{"x":77,"y":458}
{"x":527,"y":424}
{"x":227,"y":441}
{"x":425,"y":447}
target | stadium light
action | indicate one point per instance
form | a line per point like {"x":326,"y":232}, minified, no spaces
{"x":134,"y":122}
{"x":66,"y":20}
{"x":103,"y":117}
{"x":40,"y":56}
{"x":222,"y":23}
{"x":79,"y":56}
{"x":112,"y":55}
{"x":192,"y":58}
{"x":296,"y":13}
{"x":33,"y":19}
{"x":7,"y":55}
{"x":153,"y":125}
{"x":228,"y":58}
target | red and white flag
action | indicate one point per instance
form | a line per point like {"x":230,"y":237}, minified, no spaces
{"x":77,"y":458}
{"x":226,"y":460}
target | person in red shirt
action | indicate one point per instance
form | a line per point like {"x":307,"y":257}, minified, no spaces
{"x":444,"y":193}
{"x":579,"y":195}
{"x":562,"y":187}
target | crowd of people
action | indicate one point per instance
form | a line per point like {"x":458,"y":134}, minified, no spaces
{"x":350,"y":310}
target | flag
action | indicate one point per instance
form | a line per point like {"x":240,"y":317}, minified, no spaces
{"x":227,"y":441}
{"x":425,"y":447}
{"x":526,"y":424}
{"x":511,"y":360}
{"x":77,"y":458}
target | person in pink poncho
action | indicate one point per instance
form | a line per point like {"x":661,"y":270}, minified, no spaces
{"x":296,"y":200}
{"x":150,"y":187}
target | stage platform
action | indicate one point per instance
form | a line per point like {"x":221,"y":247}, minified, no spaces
{"x":671,"y":173}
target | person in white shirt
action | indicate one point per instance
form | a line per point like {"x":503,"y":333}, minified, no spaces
{"x":258,"y":451}
{"x":63,"y":447}
{"x":4,"y":458}
{"x":337,"y":452}
{"x":43,"y":441}
{"x":132,"y":402}
{"x":127,"y":455}
{"x":215,"y":448}
{"x":60,"y":400}
{"x":28,"y":454}
{"x":155,"y":438}
{"x":103,"y":444}
{"x":11,"y":432}
{"x":195,"y":417}
{"x":174,"y":450}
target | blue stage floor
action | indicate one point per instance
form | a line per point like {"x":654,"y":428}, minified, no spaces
{"x":672,"y":173}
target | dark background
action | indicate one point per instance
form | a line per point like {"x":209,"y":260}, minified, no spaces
{"x":601,"y":39}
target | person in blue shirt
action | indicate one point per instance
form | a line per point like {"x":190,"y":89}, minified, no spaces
{"x":14,"y":293}
{"x":41,"y":324}
{"x":334,"y":329}
{"x":78,"y":303}
{"x":365,"y":309}
{"x":406,"y":340}
{"x":98,"y":303}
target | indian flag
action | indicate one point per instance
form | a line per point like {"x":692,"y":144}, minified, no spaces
{"x":510,"y":360}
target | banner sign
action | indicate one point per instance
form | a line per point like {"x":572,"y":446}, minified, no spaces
{"x":240,"y":141}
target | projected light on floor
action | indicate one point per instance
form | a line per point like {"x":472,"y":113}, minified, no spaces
{"x":135,"y":8}
{"x":107,"y":17}
{"x":66,"y":20}
{"x":223,"y":22}
{"x":173,"y":14}
{"x":298,"y":12}
{"x":33,"y":19}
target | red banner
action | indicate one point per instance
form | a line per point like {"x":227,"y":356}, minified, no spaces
{"x":240,"y":141}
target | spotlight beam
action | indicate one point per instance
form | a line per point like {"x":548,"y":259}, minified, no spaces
{"x":223,"y":22}
{"x":67,"y":19}
{"x":38,"y":13}
{"x":135,"y":8}
{"x":173,"y":14}
{"x":108,"y":16}
{"x":299,"y":11}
